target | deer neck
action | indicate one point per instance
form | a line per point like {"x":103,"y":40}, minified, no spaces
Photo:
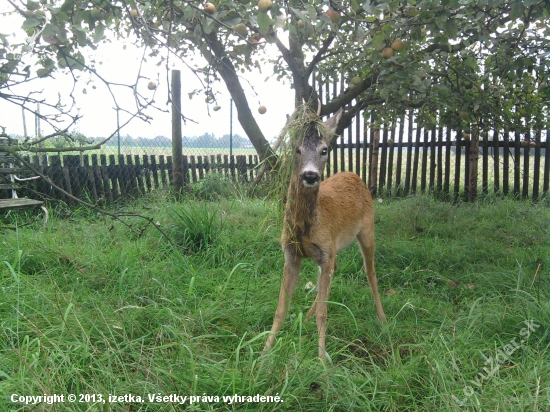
{"x":300,"y":211}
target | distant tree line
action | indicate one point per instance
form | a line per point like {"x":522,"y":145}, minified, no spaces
{"x":207,"y":140}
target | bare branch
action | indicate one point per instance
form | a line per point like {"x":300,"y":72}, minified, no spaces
{"x":114,"y":215}
{"x":319,"y":56}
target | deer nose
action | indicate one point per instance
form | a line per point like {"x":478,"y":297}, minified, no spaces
{"x":310,"y":178}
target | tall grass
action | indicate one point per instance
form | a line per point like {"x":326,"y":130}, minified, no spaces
{"x":196,"y":227}
{"x":90,"y":308}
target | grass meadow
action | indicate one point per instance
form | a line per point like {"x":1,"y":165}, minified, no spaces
{"x":91,"y":308}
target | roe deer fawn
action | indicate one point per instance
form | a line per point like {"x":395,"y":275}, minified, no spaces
{"x":320,"y":219}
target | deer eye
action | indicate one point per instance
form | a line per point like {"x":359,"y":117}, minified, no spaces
{"x":324,"y":152}
{"x":298,"y":150}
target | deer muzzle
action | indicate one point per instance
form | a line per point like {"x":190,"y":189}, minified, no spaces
{"x":310,"y":178}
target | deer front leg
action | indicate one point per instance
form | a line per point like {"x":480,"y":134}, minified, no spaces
{"x":311,"y":310}
{"x":321,"y":305}
{"x":288,"y":286}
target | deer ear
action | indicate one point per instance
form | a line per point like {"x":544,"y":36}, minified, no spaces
{"x":332,"y":122}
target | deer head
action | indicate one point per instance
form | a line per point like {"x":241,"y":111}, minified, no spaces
{"x":312,"y":154}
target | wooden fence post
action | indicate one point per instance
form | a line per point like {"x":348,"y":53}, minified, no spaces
{"x":374,"y":162}
{"x":546,"y":175}
{"x":177,"y":159}
{"x":474,"y":156}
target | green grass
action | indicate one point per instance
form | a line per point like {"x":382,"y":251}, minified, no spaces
{"x":89,"y":307}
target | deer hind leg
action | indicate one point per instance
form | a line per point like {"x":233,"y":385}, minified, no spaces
{"x":288,"y":286}
{"x":366,"y":241}
{"x":321,"y":305}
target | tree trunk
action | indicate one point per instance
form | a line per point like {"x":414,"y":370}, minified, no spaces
{"x":244,"y":114}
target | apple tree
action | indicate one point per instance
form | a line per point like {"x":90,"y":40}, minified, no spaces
{"x":455,"y":61}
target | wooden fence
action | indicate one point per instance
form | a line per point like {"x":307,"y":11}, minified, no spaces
{"x":407,"y":159}
{"x":450,"y":164}
{"x":106,"y":178}
{"x":400,"y":161}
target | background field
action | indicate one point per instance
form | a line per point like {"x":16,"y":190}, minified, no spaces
{"x":87,"y":306}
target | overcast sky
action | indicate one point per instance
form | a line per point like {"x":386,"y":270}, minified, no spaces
{"x":120,"y":65}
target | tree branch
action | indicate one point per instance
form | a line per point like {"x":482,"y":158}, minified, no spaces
{"x":319,"y":56}
{"x":348,"y":95}
{"x":115,"y":216}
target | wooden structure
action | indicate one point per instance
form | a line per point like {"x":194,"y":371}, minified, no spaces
{"x":407,"y":159}
{"x":11,"y":173}
{"x":396,"y":161}
{"x":102,"y":178}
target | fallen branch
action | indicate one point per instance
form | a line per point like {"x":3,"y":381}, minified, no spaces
{"x":30,"y":222}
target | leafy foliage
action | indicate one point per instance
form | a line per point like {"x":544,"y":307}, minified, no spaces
{"x":214,"y":187}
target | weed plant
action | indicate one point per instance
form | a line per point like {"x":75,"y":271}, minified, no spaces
{"x":196,"y":227}
{"x":88,"y":307}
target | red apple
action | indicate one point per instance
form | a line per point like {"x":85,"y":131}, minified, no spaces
{"x":333,"y":15}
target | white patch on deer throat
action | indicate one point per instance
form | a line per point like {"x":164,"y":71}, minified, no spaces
{"x":306,"y":184}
